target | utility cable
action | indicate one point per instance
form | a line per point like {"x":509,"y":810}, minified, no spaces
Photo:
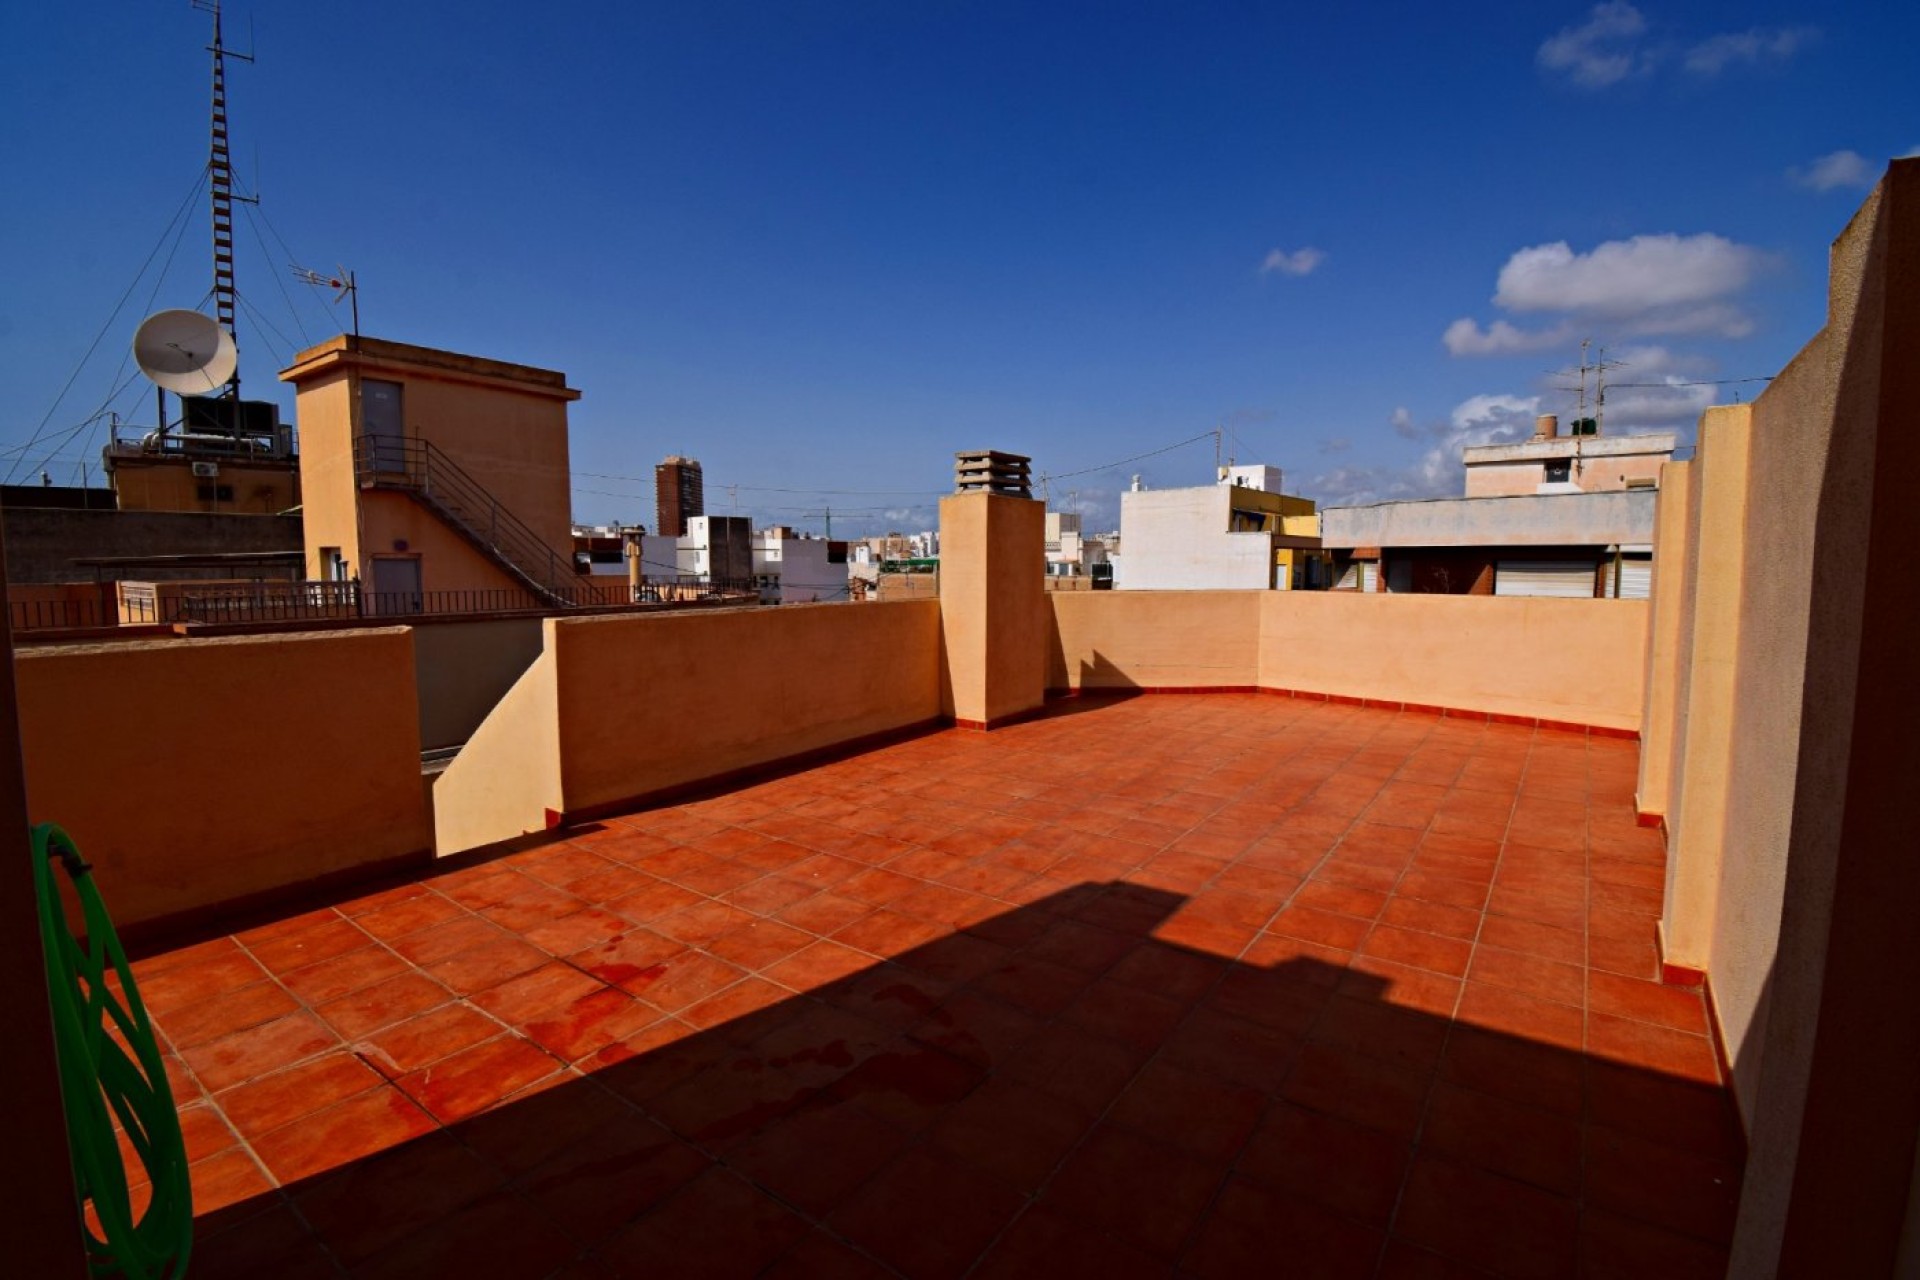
{"x":115,"y":314}
{"x":278,"y":283}
{"x":1138,"y":457}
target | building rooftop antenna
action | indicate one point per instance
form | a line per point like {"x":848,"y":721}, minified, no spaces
{"x":220,"y":185}
{"x":1599,"y":370}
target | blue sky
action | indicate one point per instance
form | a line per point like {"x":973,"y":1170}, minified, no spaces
{"x":820,"y":246}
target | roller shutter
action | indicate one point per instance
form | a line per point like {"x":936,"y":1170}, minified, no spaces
{"x":1636,"y":578}
{"x":1572,"y":579}
{"x":1359,"y":575}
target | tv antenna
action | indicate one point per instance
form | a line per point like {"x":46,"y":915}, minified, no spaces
{"x":342,"y":279}
{"x":1582,"y":424}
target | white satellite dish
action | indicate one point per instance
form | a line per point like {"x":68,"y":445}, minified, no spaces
{"x":185,"y":352}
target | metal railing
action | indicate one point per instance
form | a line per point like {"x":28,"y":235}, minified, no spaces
{"x":423,"y":469}
{"x":298,"y":601}
{"x":281,"y":601}
{"x":58,"y":615}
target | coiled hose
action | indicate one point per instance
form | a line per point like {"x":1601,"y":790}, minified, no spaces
{"x":110,"y":1068}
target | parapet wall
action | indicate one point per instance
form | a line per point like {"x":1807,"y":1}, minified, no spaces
{"x":619,"y":709}
{"x":1575,"y":662}
{"x":200,"y":775}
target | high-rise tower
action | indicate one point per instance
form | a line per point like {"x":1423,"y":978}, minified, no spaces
{"x":678,"y":495}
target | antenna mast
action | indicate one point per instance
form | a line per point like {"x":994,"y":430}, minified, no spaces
{"x":220,"y":184}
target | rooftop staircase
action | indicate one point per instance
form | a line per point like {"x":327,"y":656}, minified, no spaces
{"x":423,"y":470}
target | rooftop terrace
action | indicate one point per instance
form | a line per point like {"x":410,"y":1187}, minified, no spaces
{"x":1213,"y":985}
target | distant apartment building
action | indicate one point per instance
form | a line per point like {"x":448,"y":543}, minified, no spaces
{"x":894,"y":566}
{"x":1556,"y":515}
{"x":1073,"y":558}
{"x":1240,"y":533}
{"x":714,"y":549}
{"x":793,"y":568}
{"x":679,"y":495}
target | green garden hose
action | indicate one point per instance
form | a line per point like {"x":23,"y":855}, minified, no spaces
{"x":100,"y":1081}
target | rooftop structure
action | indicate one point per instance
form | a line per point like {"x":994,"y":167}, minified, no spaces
{"x":1555,"y":515}
{"x":1553,"y":463}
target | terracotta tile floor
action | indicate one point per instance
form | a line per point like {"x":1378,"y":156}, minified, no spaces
{"x":1216,"y":985}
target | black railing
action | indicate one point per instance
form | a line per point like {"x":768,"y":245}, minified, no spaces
{"x":298,"y":601}
{"x":265,"y":602}
{"x":58,"y":615}
{"x":423,"y":469}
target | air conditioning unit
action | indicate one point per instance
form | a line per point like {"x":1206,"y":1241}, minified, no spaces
{"x":206,"y":470}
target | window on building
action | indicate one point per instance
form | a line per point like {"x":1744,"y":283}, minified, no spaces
{"x":1559,"y":471}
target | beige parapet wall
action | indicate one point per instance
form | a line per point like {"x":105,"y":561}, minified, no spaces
{"x":199,"y":775}
{"x":1575,"y":661}
{"x":622,"y":707}
{"x":1155,"y":640}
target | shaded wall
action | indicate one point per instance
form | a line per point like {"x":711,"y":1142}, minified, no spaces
{"x":506,"y":780}
{"x":230,"y":769}
{"x":464,"y":668}
{"x":43,"y":543}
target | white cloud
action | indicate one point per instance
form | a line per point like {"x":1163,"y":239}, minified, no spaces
{"x":1754,"y":47}
{"x":1481,"y":419}
{"x":1836,"y":169}
{"x":1908,"y":155}
{"x":1336,"y":444}
{"x":1646,"y":286}
{"x":1301,"y":262}
{"x":1623,"y":278}
{"x":1402,"y":423}
{"x":1464,"y":337}
{"x":1600,"y":52}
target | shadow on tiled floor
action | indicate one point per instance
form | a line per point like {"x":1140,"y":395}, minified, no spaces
{"x":1211,"y":986}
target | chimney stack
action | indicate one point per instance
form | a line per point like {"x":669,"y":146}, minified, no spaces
{"x":1546,"y":426}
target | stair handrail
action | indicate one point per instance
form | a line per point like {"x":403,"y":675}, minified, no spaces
{"x":441,"y":481}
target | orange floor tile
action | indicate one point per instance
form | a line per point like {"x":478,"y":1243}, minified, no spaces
{"x":1217,"y":985}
